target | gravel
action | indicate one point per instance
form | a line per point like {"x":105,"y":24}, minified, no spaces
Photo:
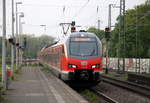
{"x":121,"y":95}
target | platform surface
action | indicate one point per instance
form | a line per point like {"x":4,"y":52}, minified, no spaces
{"x":34,"y":86}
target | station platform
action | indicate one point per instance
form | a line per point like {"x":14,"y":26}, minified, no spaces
{"x":35,"y":86}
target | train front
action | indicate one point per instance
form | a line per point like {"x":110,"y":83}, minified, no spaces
{"x":84,"y":58}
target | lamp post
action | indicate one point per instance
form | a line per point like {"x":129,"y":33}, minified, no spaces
{"x":44,"y":28}
{"x":21,"y":27}
{"x":20,"y":41}
{"x":23,"y":40}
{"x":17,"y":3}
{"x":12,"y":46}
{"x":4,"y":45}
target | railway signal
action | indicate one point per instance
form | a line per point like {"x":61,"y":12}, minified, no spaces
{"x":107,"y":33}
{"x":17,"y":44}
{"x":73,"y":29}
{"x":107,"y":36}
{"x":11,"y":41}
{"x":73,"y":23}
{"x":25,"y":42}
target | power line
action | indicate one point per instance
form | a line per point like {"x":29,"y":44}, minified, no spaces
{"x":80,"y":10}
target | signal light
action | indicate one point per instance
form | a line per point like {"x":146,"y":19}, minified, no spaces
{"x":25,"y":42}
{"x":107,"y":33}
{"x":107,"y":30}
{"x":73,"y":23}
{"x":73,"y":29}
{"x":11,"y":40}
{"x":17,"y":44}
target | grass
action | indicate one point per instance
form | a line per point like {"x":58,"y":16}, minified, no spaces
{"x":45,"y":69}
{"x":1,"y":86}
{"x":89,"y":95}
{"x":117,"y":76}
{"x":32,"y":65}
{"x":0,"y":73}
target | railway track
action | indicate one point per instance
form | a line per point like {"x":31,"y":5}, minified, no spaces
{"x":105,"y":97}
{"x":145,"y":91}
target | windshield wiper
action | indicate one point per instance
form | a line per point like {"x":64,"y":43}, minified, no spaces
{"x":93,"y":51}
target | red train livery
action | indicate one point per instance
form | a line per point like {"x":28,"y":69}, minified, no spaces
{"x":78,"y":57}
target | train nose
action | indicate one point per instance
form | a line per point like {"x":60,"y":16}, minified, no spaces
{"x":84,"y":64}
{"x":84,"y":75}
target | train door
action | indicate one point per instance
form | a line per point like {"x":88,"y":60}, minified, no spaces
{"x":62,"y":54}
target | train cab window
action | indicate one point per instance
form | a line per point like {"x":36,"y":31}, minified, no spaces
{"x":83,"y":47}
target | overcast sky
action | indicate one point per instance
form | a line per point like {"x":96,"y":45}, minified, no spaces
{"x":53,"y":12}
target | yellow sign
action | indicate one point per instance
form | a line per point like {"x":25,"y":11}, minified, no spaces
{"x":82,"y":39}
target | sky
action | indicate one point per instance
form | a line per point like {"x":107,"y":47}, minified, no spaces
{"x":53,"y":12}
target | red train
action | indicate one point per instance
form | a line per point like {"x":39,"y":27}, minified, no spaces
{"x":76,"y":58}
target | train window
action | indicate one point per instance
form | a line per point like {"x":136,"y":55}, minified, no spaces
{"x":86,"y":48}
{"x":62,"y":49}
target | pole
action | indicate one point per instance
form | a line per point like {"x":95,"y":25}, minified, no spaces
{"x":109,"y":25}
{"x":44,"y":26}
{"x":119,"y":37}
{"x":99,"y":24}
{"x":107,"y":42}
{"x":109,"y":16}
{"x":19,"y":39}
{"x":4,"y":77}
{"x":136,"y":38}
{"x":16,"y":36}
{"x":122,"y":34}
{"x":21,"y":32}
{"x":45,"y":29}
{"x":12,"y":46}
{"x":106,"y":57}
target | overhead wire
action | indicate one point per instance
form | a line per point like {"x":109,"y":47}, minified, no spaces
{"x":80,"y":10}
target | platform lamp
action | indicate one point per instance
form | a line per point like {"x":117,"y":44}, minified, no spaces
{"x":17,"y":52}
{"x":20,"y":41}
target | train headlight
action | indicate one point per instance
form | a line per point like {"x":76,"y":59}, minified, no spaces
{"x":95,"y":66}
{"x":72,"y":66}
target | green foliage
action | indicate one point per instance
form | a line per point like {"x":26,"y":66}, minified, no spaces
{"x":98,"y":32}
{"x":45,"y":69}
{"x":148,"y":53}
{"x":8,"y":51}
{"x":0,"y":73}
{"x":34,"y":44}
{"x":139,"y":16}
{"x":137,"y":38}
{"x":90,"y":96}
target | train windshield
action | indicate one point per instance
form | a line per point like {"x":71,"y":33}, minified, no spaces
{"x":83,"y":47}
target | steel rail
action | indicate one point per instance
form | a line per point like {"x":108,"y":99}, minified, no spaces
{"x":128,"y":85}
{"x":105,"y":97}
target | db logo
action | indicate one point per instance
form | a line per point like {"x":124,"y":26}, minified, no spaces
{"x":84,"y":63}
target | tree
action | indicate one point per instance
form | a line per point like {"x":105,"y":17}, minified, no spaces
{"x":35,"y":44}
{"x":137,"y":32}
{"x":99,"y":33}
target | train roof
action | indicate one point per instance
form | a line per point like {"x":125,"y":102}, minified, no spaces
{"x":82,"y":34}
{"x":74,"y":34}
